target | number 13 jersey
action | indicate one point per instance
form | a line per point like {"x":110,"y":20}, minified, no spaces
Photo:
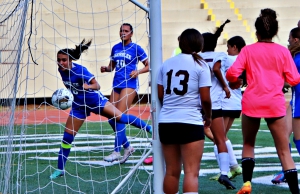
{"x":181,"y":78}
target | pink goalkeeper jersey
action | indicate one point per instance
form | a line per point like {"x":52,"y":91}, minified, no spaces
{"x":267,"y":66}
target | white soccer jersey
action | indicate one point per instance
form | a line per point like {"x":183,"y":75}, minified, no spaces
{"x":216,"y":91}
{"x":181,"y":78}
{"x":234,"y":102}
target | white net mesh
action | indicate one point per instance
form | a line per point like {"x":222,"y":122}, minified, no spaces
{"x":31,"y":128}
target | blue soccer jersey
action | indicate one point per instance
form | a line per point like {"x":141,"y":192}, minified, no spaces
{"x":74,"y":80}
{"x":295,"y":102}
{"x":126,"y":59}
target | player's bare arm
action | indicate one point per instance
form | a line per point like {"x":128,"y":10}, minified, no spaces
{"x":111,"y":66}
{"x":219,"y":76}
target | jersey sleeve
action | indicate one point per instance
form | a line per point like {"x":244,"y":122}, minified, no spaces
{"x":142,"y":56}
{"x":290,"y":70}
{"x":205,"y":76}
{"x":220,"y":57}
{"x":160,"y":76}
{"x":87,"y":76}
{"x":237,"y":67}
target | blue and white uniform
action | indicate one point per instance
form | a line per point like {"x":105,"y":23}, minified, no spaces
{"x":295,"y":102}
{"x":126,"y":59}
{"x":85,"y":101}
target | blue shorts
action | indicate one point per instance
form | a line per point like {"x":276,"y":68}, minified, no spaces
{"x":118,"y":90}
{"x":295,"y":104}
{"x":81,"y":112}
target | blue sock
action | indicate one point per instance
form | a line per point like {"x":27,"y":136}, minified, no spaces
{"x":297,"y":144}
{"x":64,"y":151}
{"x":135,"y":121}
{"x":120,"y":134}
{"x":125,"y":142}
{"x":121,"y":138}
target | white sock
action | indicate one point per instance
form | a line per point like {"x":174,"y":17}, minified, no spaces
{"x":217,"y":154}
{"x":224,"y":162}
{"x":232,"y":159}
{"x":191,"y":193}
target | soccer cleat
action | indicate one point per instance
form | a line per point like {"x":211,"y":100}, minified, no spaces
{"x":278,"y":178}
{"x":246,"y":188}
{"x":112,"y":157}
{"x":216,"y":177}
{"x":127,"y":152}
{"x":57,"y":173}
{"x":224,"y":180}
{"x":235,"y":172}
{"x":148,"y":160}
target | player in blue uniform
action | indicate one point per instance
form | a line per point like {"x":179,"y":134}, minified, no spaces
{"x":87,"y":99}
{"x":124,"y":59}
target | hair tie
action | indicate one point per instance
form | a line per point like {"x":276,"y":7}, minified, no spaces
{"x":193,"y":52}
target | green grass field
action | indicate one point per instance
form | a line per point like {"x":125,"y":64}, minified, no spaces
{"x":35,"y":152}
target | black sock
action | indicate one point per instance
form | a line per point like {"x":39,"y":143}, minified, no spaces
{"x":291,"y":177}
{"x":248,"y":166}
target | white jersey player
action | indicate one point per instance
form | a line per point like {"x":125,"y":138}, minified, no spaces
{"x":182,"y":80}
{"x":216,"y":60}
{"x":183,"y":84}
{"x":234,"y":102}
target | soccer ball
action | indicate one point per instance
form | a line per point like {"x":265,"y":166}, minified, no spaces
{"x":62,"y":98}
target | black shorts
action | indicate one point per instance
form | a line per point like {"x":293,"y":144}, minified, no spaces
{"x":268,"y":120}
{"x":232,"y":113}
{"x":180,"y":133}
{"x":216,"y":113}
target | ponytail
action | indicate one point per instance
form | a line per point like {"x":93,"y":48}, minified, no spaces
{"x":75,"y":54}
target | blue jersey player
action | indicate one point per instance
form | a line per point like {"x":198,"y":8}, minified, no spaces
{"x":87,"y":99}
{"x":124,"y":59}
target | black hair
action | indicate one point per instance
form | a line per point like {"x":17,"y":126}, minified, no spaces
{"x":295,"y":49}
{"x":266,"y":24}
{"x":210,"y":39}
{"x":75,"y":54}
{"x":295,"y":32}
{"x":238,"y":41}
{"x":127,"y":24}
{"x":191,"y":42}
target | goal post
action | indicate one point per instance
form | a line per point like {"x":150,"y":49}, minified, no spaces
{"x":32,"y":129}
{"x":156,"y":60}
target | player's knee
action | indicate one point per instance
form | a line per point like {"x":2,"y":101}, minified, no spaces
{"x":67,"y":139}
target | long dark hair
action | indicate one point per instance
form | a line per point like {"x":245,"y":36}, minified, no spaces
{"x":75,"y":54}
{"x":191,"y":42}
{"x":210,"y":39}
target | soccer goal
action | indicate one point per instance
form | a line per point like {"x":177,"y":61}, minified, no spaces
{"x":32,"y":32}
